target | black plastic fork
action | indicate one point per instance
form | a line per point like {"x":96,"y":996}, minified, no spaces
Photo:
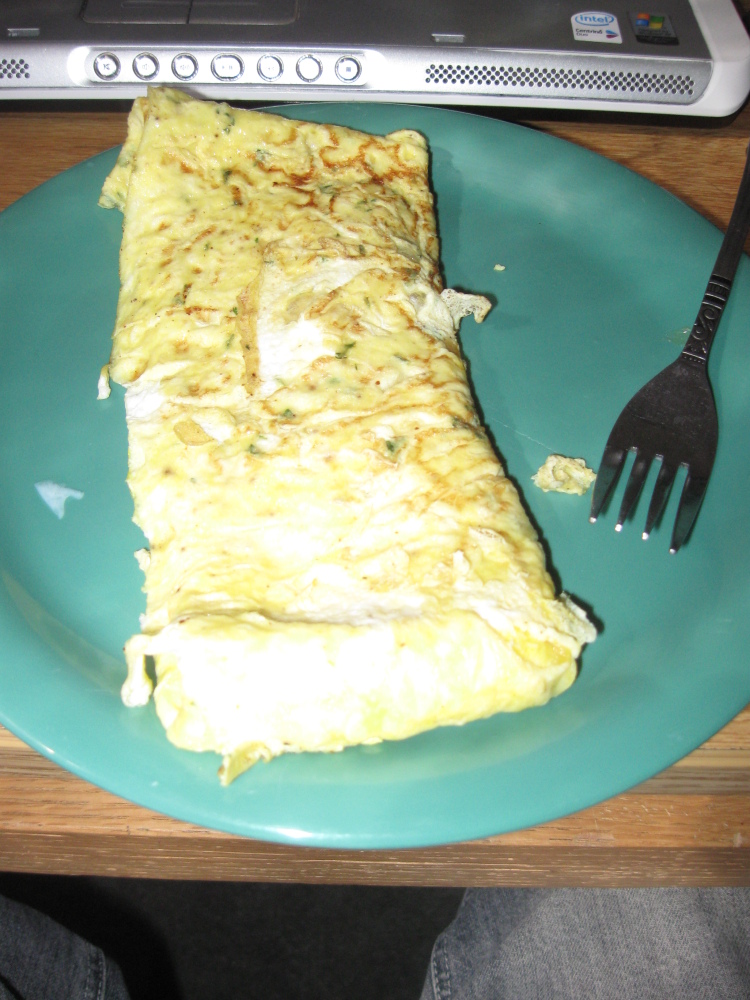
{"x":673,"y":417}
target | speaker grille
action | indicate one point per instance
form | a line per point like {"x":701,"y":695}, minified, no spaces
{"x":579,"y":82}
{"x":14,"y":69}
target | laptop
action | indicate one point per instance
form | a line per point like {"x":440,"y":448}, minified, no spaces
{"x":684,"y":57}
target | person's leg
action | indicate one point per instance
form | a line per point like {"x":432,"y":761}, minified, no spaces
{"x":597,"y":944}
{"x":41,"y":960}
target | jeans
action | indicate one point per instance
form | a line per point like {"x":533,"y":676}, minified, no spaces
{"x":40,"y":960}
{"x":524,"y":944}
{"x":595,"y":944}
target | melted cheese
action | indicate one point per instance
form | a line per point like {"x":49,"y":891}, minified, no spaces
{"x":335,"y":554}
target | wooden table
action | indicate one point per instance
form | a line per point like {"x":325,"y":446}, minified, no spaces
{"x":688,"y":825}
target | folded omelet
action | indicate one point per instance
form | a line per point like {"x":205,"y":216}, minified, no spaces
{"x":335,"y":555}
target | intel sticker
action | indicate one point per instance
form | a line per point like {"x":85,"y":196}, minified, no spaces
{"x":596,"y":26}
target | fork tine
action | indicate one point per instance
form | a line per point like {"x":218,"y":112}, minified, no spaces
{"x":662,"y":486}
{"x":692,"y":496}
{"x":634,"y":485}
{"x":610,"y":468}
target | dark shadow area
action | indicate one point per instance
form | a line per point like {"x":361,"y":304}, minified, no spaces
{"x":250,"y":941}
{"x":527,"y":115}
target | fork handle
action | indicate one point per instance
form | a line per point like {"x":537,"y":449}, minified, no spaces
{"x":720,"y":283}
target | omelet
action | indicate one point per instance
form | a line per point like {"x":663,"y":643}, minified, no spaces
{"x":334,"y":553}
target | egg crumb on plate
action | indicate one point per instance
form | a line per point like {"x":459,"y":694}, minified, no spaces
{"x":561,"y":474}
{"x":335,"y":555}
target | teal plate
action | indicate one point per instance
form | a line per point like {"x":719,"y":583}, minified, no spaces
{"x":602,"y":271}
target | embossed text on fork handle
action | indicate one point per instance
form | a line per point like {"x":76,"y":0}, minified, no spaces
{"x":701,"y":336}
